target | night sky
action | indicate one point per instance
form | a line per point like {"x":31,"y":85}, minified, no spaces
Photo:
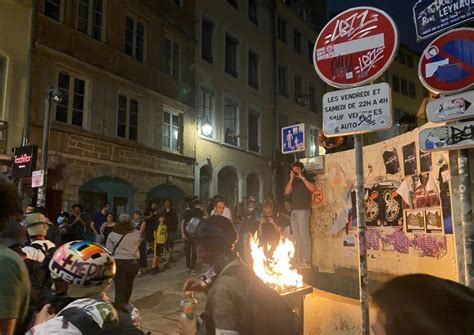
{"x":401,"y":12}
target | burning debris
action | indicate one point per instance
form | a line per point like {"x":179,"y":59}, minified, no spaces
{"x":276,"y":270}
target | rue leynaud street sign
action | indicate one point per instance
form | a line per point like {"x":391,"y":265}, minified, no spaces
{"x":292,"y":139}
{"x":448,"y":137}
{"x":453,"y":107}
{"x":355,"y":47}
{"x":447,"y":64}
{"x":434,"y":16}
{"x":357,"y":110}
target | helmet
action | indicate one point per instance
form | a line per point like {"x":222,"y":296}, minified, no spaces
{"x":87,"y":267}
{"x":216,"y":230}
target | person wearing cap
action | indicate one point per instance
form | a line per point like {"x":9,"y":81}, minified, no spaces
{"x":226,"y":310}
{"x":37,"y":228}
{"x":249,"y":226}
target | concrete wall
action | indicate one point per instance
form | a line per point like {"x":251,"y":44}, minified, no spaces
{"x":393,"y":247}
{"x":15,"y":23}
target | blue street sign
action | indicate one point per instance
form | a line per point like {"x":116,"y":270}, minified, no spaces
{"x":292,"y":139}
{"x":434,"y":16}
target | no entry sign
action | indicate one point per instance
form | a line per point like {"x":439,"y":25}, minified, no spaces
{"x":355,"y":47}
{"x":447,"y":64}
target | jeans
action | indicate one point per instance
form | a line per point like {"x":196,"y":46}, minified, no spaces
{"x":127,"y":269}
{"x":190,"y":251}
{"x":300,"y":226}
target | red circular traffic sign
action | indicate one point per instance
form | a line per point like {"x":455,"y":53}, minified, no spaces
{"x":355,"y":47}
{"x":447,"y":63}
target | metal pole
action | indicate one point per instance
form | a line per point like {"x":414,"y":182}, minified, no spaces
{"x":363,"y":275}
{"x":41,"y":200}
{"x":466,"y":216}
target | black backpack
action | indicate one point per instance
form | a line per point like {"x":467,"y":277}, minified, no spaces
{"x":270,"y":312}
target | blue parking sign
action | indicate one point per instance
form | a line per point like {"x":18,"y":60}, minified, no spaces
{"x":292,"y":139}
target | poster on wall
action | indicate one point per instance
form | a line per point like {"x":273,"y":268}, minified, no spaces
{"x":409,"y":159}
{"x":426,"y":165}
{"x":390,"y":158}
{"x":433,"y":220}
{"x":414,"y":220}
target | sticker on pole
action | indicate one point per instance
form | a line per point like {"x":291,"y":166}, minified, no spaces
{"x":432,"y":17}
{"x":453,"y":107}
{"x":357,"y":110}
{"x":37,"y":178}
{"x":447,"y":64}
{"x":292,"y":139}
{"x":449,"y":137}
{"x":355,"y":47}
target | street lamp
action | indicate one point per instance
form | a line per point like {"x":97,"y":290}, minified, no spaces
{"x":54,"y":96}
{"x":206,"y":127}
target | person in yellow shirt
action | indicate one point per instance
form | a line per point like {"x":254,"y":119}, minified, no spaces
{"x":160,"y":235}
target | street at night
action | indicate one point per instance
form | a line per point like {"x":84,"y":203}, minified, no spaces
{"x":236,"y":167}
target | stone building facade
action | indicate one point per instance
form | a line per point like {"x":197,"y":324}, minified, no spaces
{"x":124,"y":131}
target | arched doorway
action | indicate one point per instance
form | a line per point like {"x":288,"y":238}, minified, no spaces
{"x":117,"y":192}
{"x":228,"y":186}
{"x":166,"y":191}
{"x":253,"y":186}
{"x":205,"y":177}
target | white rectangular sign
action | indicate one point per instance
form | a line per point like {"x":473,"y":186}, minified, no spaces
{"x":357,"y":110}
{"x":448,"y":137}
{"x":37,"y":178}
{"x":453,"y":107}
{"x":313,"y":164}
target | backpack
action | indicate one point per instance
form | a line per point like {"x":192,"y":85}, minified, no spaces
{"x":281,"y":320}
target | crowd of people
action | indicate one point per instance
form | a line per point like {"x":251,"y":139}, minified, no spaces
{"x":55,"y":275}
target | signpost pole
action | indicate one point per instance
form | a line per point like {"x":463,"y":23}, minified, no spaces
{"x":466,"y":216}
{"x":41,"y":199}
{"x":363,"y":275}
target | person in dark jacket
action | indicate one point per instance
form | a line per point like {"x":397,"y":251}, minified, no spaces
{"x":171,"y":222}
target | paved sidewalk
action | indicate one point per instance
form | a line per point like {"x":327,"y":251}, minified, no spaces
{"x":158,"y":297}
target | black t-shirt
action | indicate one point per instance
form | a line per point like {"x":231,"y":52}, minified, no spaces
{"x":301,"y":196}
{"x":171,"y":219}
{"x":269,"y":232}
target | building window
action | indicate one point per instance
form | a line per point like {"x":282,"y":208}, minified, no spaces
{"x":282,"y":122}
{"x":254,"y":131}
{"x":405,"y":58}
{"x":281,"y":30}
{"x":313,"y":142}
{"x":231,"y":113}
{"x":134,"y":38}
{"x":411,"y":90}
{"x":404,"y":86}
{"x":298,"y":93}
{"x":231,"y":45}
{"x":52,"y":8}
{"x":172,"y":57}
{"x":297,"y":41}
{"x":409,"y":61}
{"x":89,"y":18}
{"x":178,"y":3}
{"x":208,"y":105}
{"x":310,"y":52}
{"x":207,"y":48}
{"x":253,"y":11}
{"x":396,"y":84}
{"x":234,"y":3}
{"x":312,"y":98}
{"x":283,"y":80}
{"x":71,"y":109}
{"x":254,"y":69}
{"x":171,"y":130}
{"x":127,"y":117}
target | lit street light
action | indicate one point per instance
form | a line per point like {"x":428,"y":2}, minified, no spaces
{"x":206,"y":128}
{"x":55,"y":96}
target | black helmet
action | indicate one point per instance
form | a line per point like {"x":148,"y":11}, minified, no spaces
{"x":216,"y":230}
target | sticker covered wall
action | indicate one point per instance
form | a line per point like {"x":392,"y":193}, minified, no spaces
{"x":408,"y":210}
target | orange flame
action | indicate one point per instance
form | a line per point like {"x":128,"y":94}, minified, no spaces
{"x":276,"y":271}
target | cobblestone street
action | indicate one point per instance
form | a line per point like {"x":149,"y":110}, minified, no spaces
{"x":158,"y":297}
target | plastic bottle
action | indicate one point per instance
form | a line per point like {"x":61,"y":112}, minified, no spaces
{"x":188,"y":305}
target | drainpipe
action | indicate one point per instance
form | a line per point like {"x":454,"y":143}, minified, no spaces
{"x":29,"y":73}
{"x":272,"y":6}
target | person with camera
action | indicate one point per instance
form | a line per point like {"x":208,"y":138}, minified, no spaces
{"x":300,"y":187}
{"x":269,"y":230}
